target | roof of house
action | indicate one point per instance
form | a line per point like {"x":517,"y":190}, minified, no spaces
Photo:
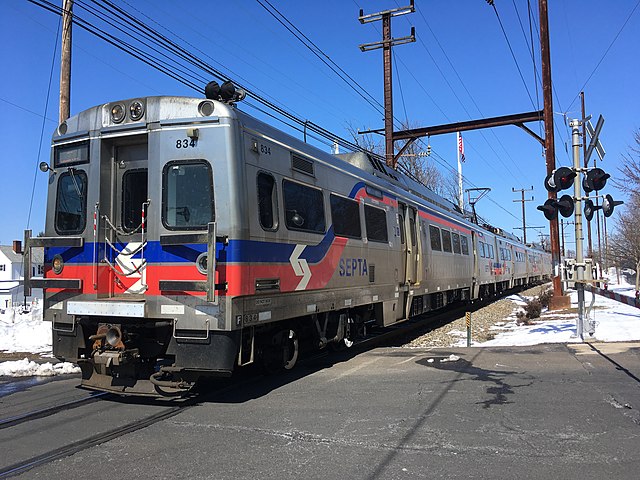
{"x":10,"y":254}
{"x":37,"y":254}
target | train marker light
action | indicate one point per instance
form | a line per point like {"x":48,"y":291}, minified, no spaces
{"x":595,"y":179}
{"x":589,"y":209}
{"x":560,"y":179}
{"x":608,"y":204}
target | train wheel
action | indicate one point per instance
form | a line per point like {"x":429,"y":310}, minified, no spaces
{"x":290,"y":350}
{"x":282,"y":351}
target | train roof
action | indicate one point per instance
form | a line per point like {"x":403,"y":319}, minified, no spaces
{"x":171,"y":109}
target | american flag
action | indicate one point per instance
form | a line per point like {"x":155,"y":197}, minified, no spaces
{"x":460,"y":147}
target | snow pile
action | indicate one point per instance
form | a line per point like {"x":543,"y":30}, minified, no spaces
{"x":24,"y":331}
{"x":29,"y":368}
{"x":613,"y":322}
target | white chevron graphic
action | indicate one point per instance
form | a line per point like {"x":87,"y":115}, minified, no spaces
{"x":129,"y":265}
{"x":300,"y":267}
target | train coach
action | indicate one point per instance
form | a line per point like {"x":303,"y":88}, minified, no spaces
{"x":185,"y":238}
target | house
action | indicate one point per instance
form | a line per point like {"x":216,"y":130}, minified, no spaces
{"x":11,"y":275}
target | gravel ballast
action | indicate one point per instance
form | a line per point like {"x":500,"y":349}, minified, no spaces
{"x":482,"y":320}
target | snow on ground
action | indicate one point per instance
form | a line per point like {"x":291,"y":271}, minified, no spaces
{"x":25,"y":332}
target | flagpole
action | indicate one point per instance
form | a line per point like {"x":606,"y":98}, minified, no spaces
{"x":460,"y":192}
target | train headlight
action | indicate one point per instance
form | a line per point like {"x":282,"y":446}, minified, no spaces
{"x":117,"y":113}
{"x":201,"y":263}
{"x":57,"y":264}
{"x":136,"y":110}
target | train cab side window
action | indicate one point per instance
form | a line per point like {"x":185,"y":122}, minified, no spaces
{"x":481,"y":249}
{"x":187,"y":195}
{"x":71,"y":202}
{"x":456,"y":243}
{"x":267,"y":202}
{"x":491,"y":254}
{"x":446,"y":241}
{"x":375,"y":220}
{"x":464,"y":244}
{"x":345,"y":214}
{"x":434,"y":235}
{"x":304,"y":207}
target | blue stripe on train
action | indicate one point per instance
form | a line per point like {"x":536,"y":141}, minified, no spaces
{"x":238,"y":251}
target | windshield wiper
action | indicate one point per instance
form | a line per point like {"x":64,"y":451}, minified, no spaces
{"x":75,"y":183}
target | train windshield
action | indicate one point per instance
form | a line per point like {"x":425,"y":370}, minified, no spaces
{"x":71,"y":202}
{"x":187,"y":195}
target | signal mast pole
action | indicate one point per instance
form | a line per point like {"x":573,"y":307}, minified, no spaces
{"x":65,"y":61}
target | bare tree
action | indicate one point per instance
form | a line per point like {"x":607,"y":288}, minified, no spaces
{"x":624,"y":243}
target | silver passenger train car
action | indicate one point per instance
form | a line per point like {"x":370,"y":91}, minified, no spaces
{"x":185,"y":238}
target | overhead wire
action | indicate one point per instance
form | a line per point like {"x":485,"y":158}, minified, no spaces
{"x":633,"y":10}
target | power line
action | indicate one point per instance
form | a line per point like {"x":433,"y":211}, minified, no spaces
{"x":581,"y":89}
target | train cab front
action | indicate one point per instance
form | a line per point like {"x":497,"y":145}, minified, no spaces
{"x":130,"y":243}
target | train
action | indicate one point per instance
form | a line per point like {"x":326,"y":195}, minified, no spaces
{"x":185,"y":239}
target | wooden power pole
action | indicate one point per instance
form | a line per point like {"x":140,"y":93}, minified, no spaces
{"x":386,"y":44}
{"x":558,"y":301}
{"x":65,"y":61}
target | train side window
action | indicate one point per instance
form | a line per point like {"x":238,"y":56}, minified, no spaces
{"x":304,"y":207}
{"x":434,"y":235}
{"x":187,"y":195}
{"x":446,"y":241}
{"x":491,"y":254}
{"x":401,"y":224}
{"x":456,"y":243}
{"x":412,"y":231}
{"x":481,"y":251}
{"x":71,"y":202}
{"x":267,"y":202}
{"x":345,"y":214}
{"x":375,"y":220}
{"x":464,"y":244}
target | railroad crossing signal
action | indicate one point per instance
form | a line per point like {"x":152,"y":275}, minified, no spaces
{"x":560,"y":179}
{"x":595,"y":142}
{"x":608,"y":204}
{"x":590,"y":209}
{"x":595,"y":179}
{"x":551,"y":207}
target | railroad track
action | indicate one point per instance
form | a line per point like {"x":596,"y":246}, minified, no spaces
{"x":45,"y":412}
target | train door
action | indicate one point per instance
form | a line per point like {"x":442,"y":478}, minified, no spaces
{"x":475,"y":284}
{"x":122,"y":222}
{"x":402,"y":264}
{"x":412,"y":247}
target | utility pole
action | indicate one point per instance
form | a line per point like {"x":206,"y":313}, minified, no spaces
{"x":65,"y":61}
{"x":386,"y":44}
{"x":558,"y":301}
{"x":523,"y":200}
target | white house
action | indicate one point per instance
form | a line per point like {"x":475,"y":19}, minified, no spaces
{"x":11,"y":275}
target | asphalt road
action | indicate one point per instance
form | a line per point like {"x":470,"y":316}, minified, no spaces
{"x":548,"y":411}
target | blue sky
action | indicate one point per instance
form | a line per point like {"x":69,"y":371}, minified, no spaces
{"x":460,"y":68}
